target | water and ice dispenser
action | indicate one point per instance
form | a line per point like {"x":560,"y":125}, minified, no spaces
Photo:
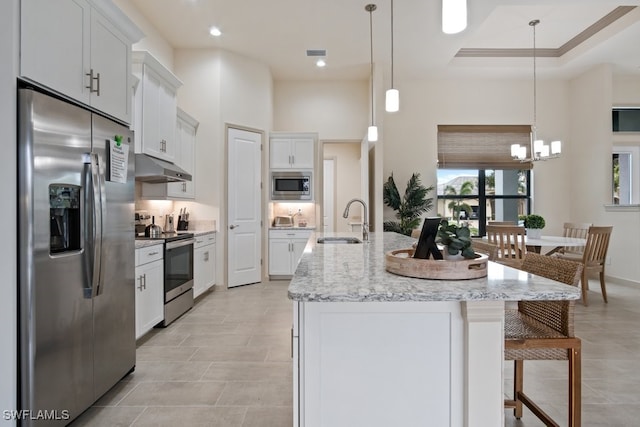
{"x":64,"y":218}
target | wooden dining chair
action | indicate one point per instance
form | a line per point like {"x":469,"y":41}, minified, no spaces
{"x":543,"y":330}
{"x":486,"y":248}
{"x":501,"y":223}
{"x":578,"y":230}
{"x":510,"y":242}
{"x":593,"y":258}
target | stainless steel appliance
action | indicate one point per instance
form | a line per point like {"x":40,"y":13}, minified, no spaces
{"x":287,"y":185}
{"x":76,"y":257}
{"x":178,"y":274}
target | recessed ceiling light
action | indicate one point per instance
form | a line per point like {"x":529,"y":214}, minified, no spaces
{"x":321,"y":63}
{"x":215,"y":31}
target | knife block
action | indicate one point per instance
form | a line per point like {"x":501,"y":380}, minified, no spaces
{"x":183,"y":225}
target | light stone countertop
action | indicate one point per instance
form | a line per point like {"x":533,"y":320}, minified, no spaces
{"x":199,"y":231}
{"x":309,"y":227}
{"x":141,"y":243}
{"x":356,"y":273}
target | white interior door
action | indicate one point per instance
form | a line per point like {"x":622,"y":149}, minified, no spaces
{"x":244,"y":217}
{"x":328,"y":195}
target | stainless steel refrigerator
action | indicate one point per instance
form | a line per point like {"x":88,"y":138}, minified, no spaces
{"x":76,"y":257}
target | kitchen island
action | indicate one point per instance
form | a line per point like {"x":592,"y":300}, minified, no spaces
{"x":375,"y":349}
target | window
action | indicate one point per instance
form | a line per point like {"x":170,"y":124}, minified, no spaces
{"x":625,"y":175}
{"x":483,"y":195}
{"x":478,"y":181}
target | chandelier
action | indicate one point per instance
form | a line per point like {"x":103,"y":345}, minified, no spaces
{"x":539,"y":150}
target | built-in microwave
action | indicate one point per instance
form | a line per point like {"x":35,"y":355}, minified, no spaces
{"x":288,"y":185}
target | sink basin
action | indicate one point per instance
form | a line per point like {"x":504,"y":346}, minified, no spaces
{"x":339,"y":240}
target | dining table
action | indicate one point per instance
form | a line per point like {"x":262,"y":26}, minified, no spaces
{"x":554,"y":242}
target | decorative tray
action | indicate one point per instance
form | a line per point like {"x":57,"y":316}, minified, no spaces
{"x":402,"y":263}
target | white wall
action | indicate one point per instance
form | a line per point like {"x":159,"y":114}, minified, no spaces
{"x":220,"y":88}
{"x":411,"y":134}
{"x":347,"y":180}
{"x":153,"y":41}
{"x":246,"y":92}
{"x":592,"y":96}
{"x":9,"y":21}
{"x":337,"y":110}
{"x":199,"y":70}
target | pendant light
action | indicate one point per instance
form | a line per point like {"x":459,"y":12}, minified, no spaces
{"x":392,"y":100}
{"x":538,"y":149}
{"x":454,"y":16}
{"x":372,"y":132}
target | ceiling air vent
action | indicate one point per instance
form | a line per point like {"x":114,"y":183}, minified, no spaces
{"x":316,"y":52}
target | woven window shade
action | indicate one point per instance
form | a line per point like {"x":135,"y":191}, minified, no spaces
{"x":481,"y":146}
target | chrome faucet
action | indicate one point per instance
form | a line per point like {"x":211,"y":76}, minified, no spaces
{"x":365,"y":224}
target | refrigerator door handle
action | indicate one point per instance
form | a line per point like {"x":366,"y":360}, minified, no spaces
{"x":97,"y":185}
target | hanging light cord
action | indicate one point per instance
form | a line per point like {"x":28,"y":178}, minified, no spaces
{"x":535,"y":91}
{"x":371,"y":8}
{"x":391,"y":44}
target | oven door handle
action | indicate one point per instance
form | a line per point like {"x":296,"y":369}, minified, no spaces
{"x":179,"y":243}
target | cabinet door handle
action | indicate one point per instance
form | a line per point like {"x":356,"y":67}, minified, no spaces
{"x":293,"y":160}
{"x":184,"y":187}
{"x":153,"y":253}
{"x":206,"y":256}
{"x":91,"y":79}
{"x":145,"y":281}
{"x":98,"y":84}
{"x":142,"y":285}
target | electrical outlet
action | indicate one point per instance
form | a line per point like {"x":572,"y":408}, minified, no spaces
{"x":290,"y":211}
{"x":608,"y":260}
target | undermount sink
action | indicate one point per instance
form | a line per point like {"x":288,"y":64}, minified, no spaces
{"x":339,"y":240}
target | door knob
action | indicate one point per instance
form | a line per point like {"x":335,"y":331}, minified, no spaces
{"x":232,"y":226}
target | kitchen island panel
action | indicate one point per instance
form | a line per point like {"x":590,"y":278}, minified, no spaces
{"x":381,"y":364}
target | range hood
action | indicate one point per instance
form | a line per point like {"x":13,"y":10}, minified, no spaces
{"x":152,"y":170}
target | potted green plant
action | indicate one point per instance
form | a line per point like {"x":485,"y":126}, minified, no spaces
{"x":534,"y":224}
{"x":409,"y":207}
{"x":455,"y":239}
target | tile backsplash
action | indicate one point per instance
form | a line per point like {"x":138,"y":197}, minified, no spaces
{"x":302,"y":211}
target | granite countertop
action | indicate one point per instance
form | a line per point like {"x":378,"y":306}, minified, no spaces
{"x":146,"y":243}
{"x":309,"y":227}
{"x":142,"y":243}
{"x":199,"y":231}
{"x":356,"y":273}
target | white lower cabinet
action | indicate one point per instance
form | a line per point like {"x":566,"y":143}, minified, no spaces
{"x":149,"y":288}
{"x":285,"y":250}
{"x":204,"y":264}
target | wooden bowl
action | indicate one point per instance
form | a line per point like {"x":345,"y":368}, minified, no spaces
{"x":402,"y":263}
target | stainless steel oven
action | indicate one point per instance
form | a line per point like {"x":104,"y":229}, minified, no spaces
{"x":287,"y":185}
{"x":178,"y":276}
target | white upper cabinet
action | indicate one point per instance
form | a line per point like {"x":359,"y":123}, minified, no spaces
{"x":186,"y":128}
{"x":80,"y":49}
{"x":156,"y":108}
{"x":292,"y":151}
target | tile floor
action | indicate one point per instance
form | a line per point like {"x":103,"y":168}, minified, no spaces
{"x":227,"y":363}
